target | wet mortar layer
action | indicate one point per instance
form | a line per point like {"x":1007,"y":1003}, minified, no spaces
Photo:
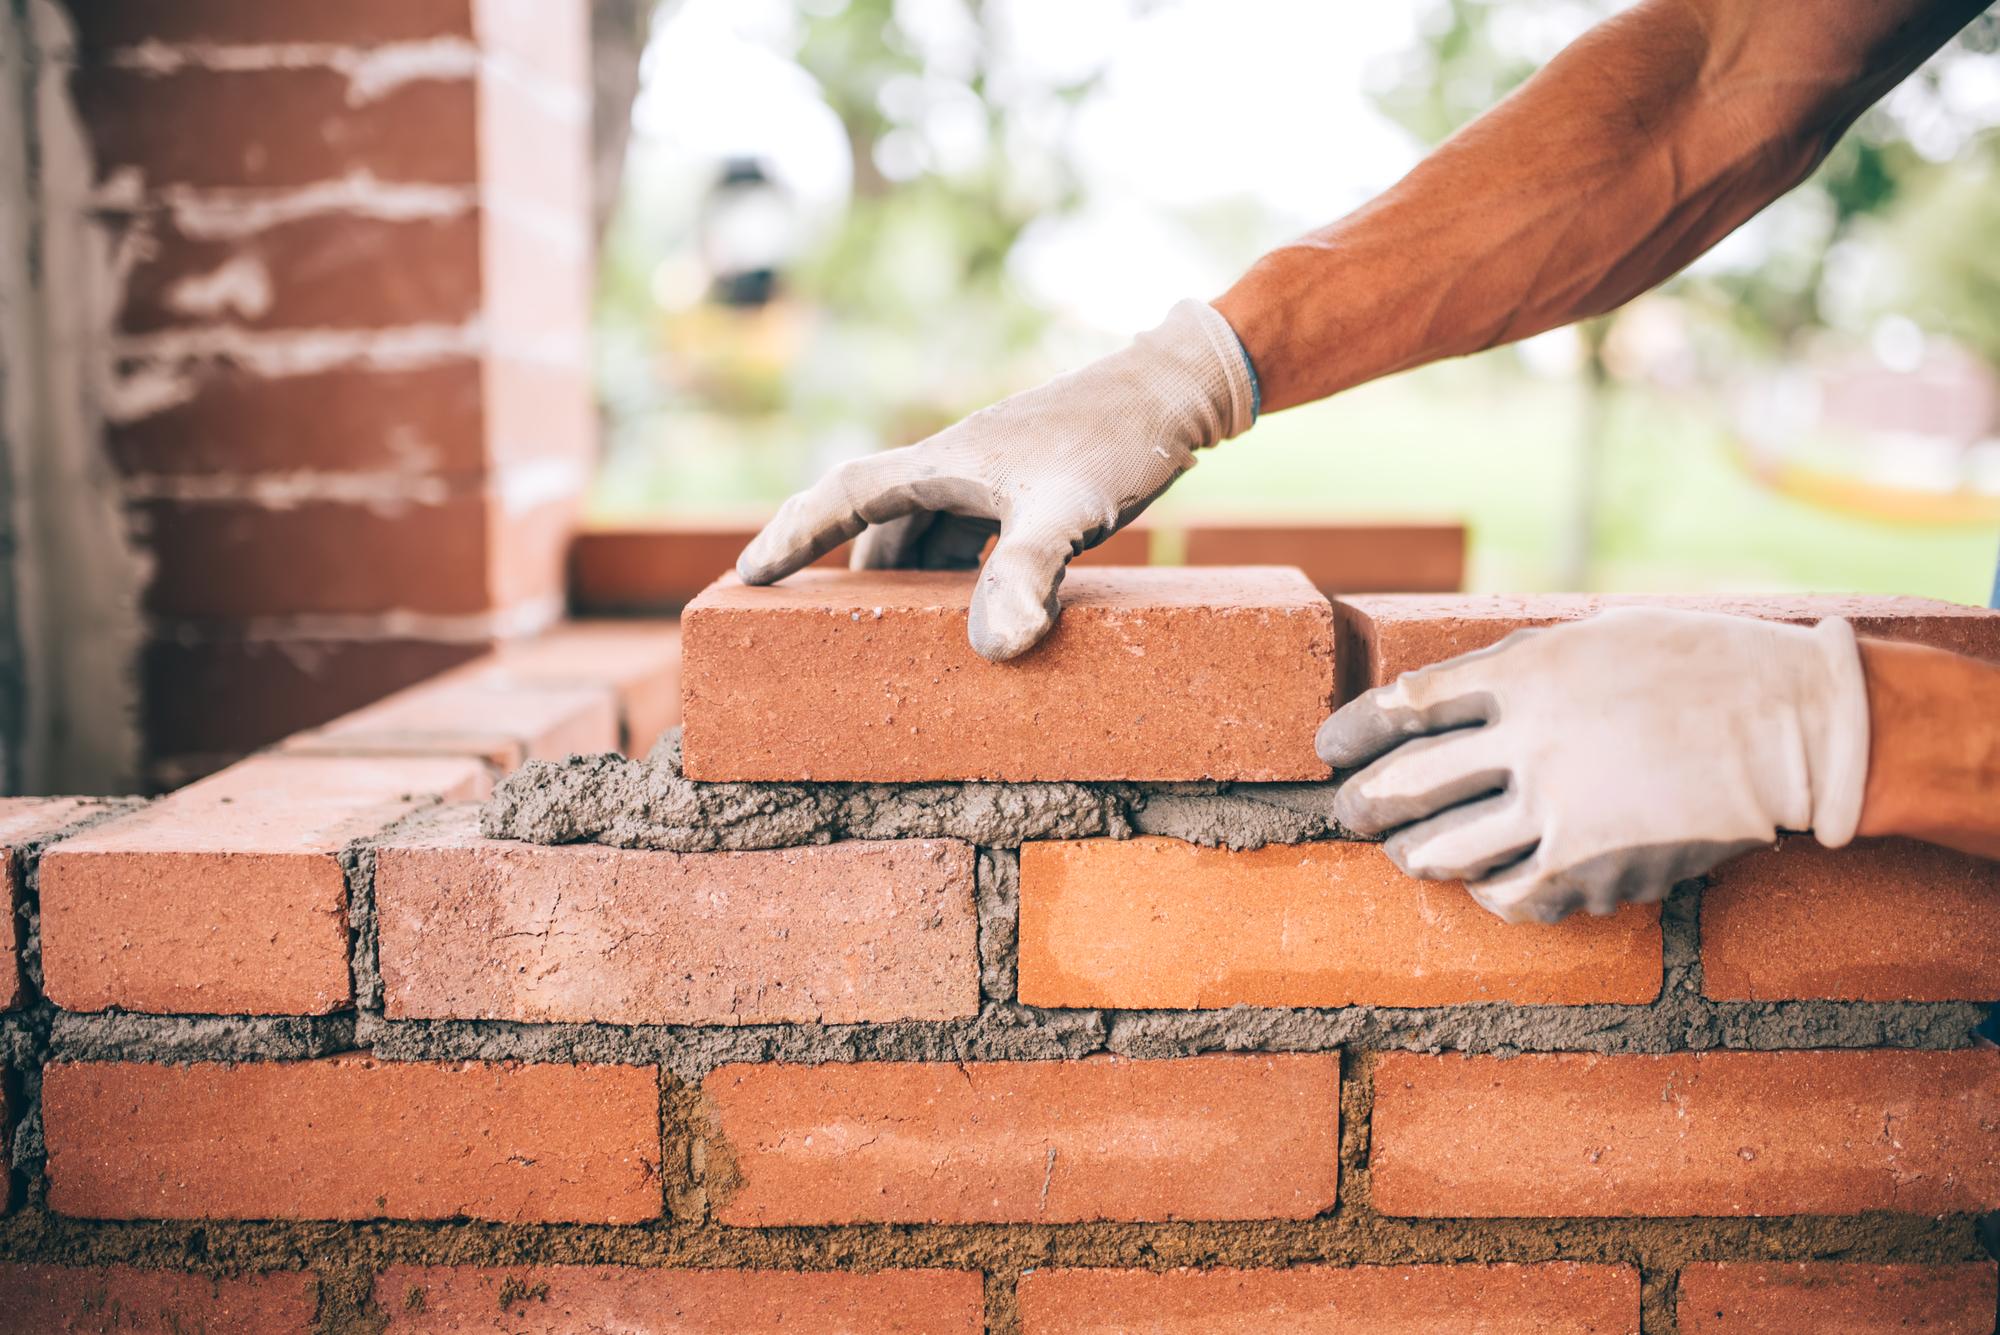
{"x":698,"y":1167}
{"x":650,"y":804}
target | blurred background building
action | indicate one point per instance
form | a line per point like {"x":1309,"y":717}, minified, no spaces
{"x":941,"y":201}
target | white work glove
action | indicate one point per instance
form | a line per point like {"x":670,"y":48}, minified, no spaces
{"x":1597,"y":763}
{"x":1056,"y":470}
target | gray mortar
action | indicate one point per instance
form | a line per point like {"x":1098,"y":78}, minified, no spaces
{"x":997,"y":901}
{"x":651,"y":804}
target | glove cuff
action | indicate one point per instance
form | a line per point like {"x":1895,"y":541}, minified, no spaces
{"x":1196,"y":336}
{"x":1840,"y":763}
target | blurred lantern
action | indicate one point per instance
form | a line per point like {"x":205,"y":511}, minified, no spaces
{"x":749,"y":232}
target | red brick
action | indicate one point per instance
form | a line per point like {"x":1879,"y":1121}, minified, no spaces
{"x":23,"y":820}
{"x":552,"y":41}
{"x":353,"y":1138}
{"x":236,"y":695}
{"x":1130,"y":546}
{"x":561,"y":1300}
{"x":237,"y":559}
{"x":1879,"y":920}
{"x":538,"y":290}
{"x":1712,"y":1133}
{"x":280,"y":127}
{"x":329,"y":271}
{"x":1151,"y":674}
{"x":1385,"y":635}
{"x":839,"y":933}
{"x":1552,"y":1299}
{"x":658,"y":569}
{"x":422,"y":422}
{"x":113,"y":23}
{"x":471,"y":712}
{"x":525,"y":548}
{"x":48,"y":1299}
{"x":640,"y":660}
{"x":228,"y":896}
{"x":534,"y":153}
{"x":536,"y":410}
{"x":1158,"y":923}
{"x":1341,"y":558}
{"x":1220,"y":1137}
{"x":1830,"y":1298}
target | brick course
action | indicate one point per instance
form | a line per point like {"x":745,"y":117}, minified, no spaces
{"x":1711,"y":1133}
{"x":352,"y":1138}
{"x":59,"y":1300}
{"x":1148,"y":923}
{"x":1151,"y":674}
{"x":839,"y":934}
{"x":1222,"y":1137}
{"x":1830,"y":1298}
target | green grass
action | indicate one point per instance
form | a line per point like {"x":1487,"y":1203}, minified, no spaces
{"x":1465,"y":440}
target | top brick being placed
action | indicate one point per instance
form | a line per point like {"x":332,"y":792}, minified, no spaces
{"x":1152,"y":673}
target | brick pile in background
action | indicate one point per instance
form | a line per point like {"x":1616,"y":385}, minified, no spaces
{"x":352,"y":407}
{"x":918,"y":1086}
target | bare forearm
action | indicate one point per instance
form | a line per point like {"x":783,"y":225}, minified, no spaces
{"x":1934,"y":747}
{"x":1632,"y":152}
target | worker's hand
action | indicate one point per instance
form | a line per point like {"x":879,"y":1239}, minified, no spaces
{"x":1056,"y":470}
{"x":1597,"y":763}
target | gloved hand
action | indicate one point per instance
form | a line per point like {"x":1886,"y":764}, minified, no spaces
{"x":1599,"y":762}
{"x":1056,"y":470}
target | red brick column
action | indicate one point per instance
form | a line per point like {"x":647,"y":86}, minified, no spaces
{"x":349,"y":401}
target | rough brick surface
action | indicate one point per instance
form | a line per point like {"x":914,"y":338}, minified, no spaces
{"x":839,"y":933}
{"x":639,"y":660}
{"x":1383,"y":636}
{"x":564,"y":1300}
{"x":1554,"y":1299}
{"x":476,"y":712}
{"x":59,"y":1300}
{"x":1827,"y":1298}
{"x":1151,"y":674}
{"x":1715,"y":1133}
{"x":1879,"y":920}
{"x":352,"y":1138}
{"x":228,"y":896}
{"x":1148,"y":923}
{"x":1221,"y":1137}
{"x":1341,"y":558}
{"x":23,"y":820}
{"x":659,"y":568}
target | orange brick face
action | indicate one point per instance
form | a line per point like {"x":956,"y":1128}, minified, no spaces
{"x":476,"y":713}
{"x":49,"y":1299}
{"x":659,"y":569}
{"x":1222,"y":1137}
{"x":1157,"y":923}
{"x":838,"y":933}
{"x":1342,"y":558}
{"x":639,"y":660}
{"x":1383,"y":636}
{"x":1879,"y":920}
{"x":352,"y":1138}
{"x":23,"y":820}
{"x":1556,"y":1299}
{"x":1718,"y":1133}
{"x":469,"y":1301}
{"x":229,"y":896}
{"x":1152,"y":674}
{"x":1823,"y":1298}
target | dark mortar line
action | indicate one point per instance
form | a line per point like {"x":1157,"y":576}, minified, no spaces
{"x":358,"y":860}
{"x":996,"y":911}
{"x":1002,"y":1302}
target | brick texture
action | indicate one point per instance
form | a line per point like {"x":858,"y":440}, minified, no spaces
{"x":73,"y":1300}
{"x":1341,"y":558}
{"x":659,"y":568}
{"x":1554,"y":1299}
{"x":563,"y":1300}
{"x":1825,"y":1298}
{"x":353,"y":1138}
{"x":24,"y":820}
{"x":228,"y":896}
{"x":839,"y":933}
{"x":477,"y":712}
{"x":1383,"y":636}
{"x":640,"y":661}
{"x":1879,"y":920}
{"x":1220,"y":1137}
{"x":1715,"y":1133}
{"x":1152,"y":674}
{"x":1158,"y":923}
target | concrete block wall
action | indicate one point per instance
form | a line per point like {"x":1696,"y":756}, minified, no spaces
{"x":890,"y":1051}
{"x":347,"y":281}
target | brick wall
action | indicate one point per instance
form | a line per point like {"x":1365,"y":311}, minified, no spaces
{"x":305,"y":1050}
{"x":346,"y":390}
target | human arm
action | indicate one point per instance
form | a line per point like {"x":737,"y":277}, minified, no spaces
{"x":1934,"y":758}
